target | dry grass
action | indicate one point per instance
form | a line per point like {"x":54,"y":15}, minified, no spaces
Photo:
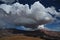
{"x":20,"y":37}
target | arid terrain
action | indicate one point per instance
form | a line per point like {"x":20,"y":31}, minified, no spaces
{"x":13,"y":34}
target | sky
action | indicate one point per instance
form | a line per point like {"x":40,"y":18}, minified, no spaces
{"x":43,"y":10}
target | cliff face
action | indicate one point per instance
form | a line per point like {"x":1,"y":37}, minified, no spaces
{"x":13,"y":34}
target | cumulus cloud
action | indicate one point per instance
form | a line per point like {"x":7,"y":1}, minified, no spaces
{"x":39,"y":11}
{"x":6,"y":7}
{"x":41,"y":27}
{"x":19,"y":14}
{"x":56,"y":15}
{"x":53,"y":11}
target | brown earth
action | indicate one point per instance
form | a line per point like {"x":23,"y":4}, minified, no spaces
{"x":13,"y":34}
{"x":20,"y":37}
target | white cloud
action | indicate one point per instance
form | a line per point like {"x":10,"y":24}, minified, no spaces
{"x":22,"y":14}
{"x":37,"y":11}
{"x":41,"y":27}
{"x":6,"y":7}
{"x":53,"y":11}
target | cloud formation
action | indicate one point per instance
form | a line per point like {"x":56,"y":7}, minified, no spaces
{"x":19,"y":14}
{"x":53,"y":11}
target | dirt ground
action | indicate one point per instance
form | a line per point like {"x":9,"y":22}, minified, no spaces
{"x":20,"y":37}
{"x":28,"y":35}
